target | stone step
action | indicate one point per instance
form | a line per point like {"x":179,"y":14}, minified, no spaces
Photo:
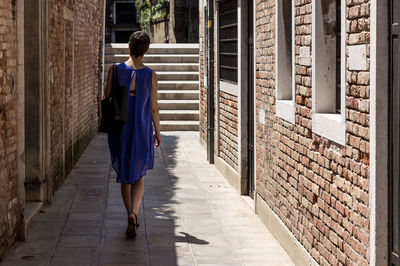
{"x":178,"y":85}
{"x":178,"y":104}
{"x":173,"y":84}
{"x":185,"y":115}
{"x":160,"y":58}
{"x":178,"y":94}
{"x":156,"y":48}
{"x":185,"y":67}
{"x":173,"y":76}
{"x":179,"y":125}
{"x":164,"y":75}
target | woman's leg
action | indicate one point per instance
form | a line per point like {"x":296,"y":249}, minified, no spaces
{"x":126,"y":196}
{"x":137,"y":194}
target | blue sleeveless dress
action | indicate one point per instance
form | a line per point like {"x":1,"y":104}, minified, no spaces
{"x":132,"y":149}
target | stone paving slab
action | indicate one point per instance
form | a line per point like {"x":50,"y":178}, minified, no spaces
{"x":190,"y":215}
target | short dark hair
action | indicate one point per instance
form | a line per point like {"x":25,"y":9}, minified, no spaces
{"x":139,"y":42}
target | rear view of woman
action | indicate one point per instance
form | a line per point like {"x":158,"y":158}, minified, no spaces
{"x":132,"y":148}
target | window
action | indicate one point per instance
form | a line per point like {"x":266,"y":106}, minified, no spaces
{"x":285,"y":63}
{"x":228,"y":41}
{"x":125,"y":13}
{"x":328,"y":77}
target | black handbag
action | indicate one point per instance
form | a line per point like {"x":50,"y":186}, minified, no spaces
{"x":114,"y":108}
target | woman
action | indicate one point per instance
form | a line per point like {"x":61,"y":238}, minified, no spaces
{"x":132,"y":149}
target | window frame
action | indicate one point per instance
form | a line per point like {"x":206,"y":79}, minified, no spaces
{"x":326,"y":122}
{"x":285,"y":108}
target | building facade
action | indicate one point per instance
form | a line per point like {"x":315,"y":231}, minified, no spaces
{"x":121,"y":21}
{"x":179,"y":24}
{"x":300,"y":111}
{"x":51,"y":56}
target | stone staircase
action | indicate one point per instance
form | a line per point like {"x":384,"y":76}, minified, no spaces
{"x":177,"y":67}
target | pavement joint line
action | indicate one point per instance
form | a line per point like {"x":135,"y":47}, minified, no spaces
{"x":65,"y":222}
{"x":145,"y":231}
{"x":104,"y":215}
{"x":180,"y":211}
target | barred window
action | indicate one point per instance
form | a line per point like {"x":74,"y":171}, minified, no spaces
{"x":228,"y":41}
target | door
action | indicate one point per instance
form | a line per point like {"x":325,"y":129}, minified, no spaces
{"x":251,"y":179}
{"x":394,"y":136}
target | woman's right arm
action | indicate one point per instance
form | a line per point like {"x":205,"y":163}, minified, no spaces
{"x":109,"y":82}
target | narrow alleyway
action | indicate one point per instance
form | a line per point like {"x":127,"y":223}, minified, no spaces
{"x":190,"y":216}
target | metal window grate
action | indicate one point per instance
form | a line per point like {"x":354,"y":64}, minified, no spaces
{"x":228,"y":38}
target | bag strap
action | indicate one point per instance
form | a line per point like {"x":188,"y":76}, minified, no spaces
{"x":115,"y":76}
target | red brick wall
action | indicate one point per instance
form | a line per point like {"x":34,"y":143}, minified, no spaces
{"x":228,"y":129}
{"x":74,"y":72}
{"x":74,"y":50}
{"x":228,"y":108}
{"x":9,"y":205}
{"x":203,"y":91}
{"x":317,"y":188}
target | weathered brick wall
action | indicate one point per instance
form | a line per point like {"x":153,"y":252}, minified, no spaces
{"x":74,"y":48}
{"x":75,"y":41}
{"x":227,"y":104}
{"x":203,"y":91}
{"x":228,"y":129}
{"x":9,"y":205}
{"x":319,"y":189}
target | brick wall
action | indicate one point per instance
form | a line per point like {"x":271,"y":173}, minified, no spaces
{"x":74,"y":47}
{"x":228,"y":128}
{"x":203,"y":91}
{"x":318,"y":189}
{"x":227,"y":104}
{"x":9,"y":205}
{"x":74,"y":51}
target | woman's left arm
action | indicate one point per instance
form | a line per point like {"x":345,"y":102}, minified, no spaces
{"x":155,"y":111}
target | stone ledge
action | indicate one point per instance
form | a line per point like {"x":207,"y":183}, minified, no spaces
{"x":285,"y":238}
{"x":228,"y":172}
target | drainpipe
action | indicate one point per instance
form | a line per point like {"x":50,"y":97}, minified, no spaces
{"x":210,"y":82}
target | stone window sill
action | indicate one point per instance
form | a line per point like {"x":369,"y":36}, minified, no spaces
{"x":330,"y":126}
{"x":285,"y":110}
{"x":228,"y":87}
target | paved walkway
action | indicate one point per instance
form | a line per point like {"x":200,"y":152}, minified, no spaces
{"x":190,"y":216}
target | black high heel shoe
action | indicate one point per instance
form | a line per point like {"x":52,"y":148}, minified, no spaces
{"x":132,"y":223}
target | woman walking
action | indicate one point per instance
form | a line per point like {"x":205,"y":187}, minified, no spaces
{"x":132,"y":148}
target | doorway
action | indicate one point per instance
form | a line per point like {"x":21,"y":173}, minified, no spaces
{"x":394,"y":135}
{"x":251,"y":174}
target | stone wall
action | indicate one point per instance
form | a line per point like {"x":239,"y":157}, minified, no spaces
{"x":9,"y":204}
